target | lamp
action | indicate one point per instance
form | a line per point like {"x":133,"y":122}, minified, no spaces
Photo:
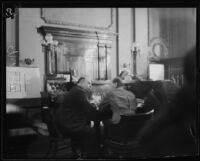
{"x":135,"y":49}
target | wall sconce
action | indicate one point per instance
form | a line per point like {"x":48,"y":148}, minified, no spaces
{"x":135,"y":50}
{"x":135,"y":47}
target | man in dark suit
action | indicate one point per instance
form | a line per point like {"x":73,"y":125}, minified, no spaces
{"x":74,"y":116}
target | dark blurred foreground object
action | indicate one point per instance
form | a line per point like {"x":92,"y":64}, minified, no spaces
{"x":173,"y":131}
{"x":19,"y":132}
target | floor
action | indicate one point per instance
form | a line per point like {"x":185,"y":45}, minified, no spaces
{"x":20,"y":145}
{"x":35,"y":147}
{"x":39,"y":149}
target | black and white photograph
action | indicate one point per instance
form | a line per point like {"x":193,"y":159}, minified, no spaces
{"x":101,"y":81}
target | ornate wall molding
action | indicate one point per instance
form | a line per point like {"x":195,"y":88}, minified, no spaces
{"x":171,"y":29}
{"x":85,"y":51}
{"x":53,"y":18}
{"x":67,"y":34}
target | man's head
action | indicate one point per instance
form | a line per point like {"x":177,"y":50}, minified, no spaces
{"x":117,"y":82}
{"x":123,"y":74}
{"x":84,"y":82}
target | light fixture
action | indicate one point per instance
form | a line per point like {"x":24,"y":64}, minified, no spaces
{"x":135,"y":49}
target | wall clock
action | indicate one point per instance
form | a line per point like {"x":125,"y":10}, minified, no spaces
{"x":158,"y":48}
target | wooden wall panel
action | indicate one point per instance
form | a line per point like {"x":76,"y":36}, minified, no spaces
{"x":175,"y":26}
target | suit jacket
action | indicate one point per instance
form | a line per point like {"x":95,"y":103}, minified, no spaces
{"x":121,"y":101}
{"x":75,"y":111}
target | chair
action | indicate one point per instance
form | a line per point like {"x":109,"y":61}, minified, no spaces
{"x":57,"y":141}
{"x":55,"y":135}
{"x":120,"y":140}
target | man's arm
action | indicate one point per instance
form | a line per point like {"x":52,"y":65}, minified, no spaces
{"x":90,"y":111}
{"x":105,"y":102}
{"x":133,"y":101}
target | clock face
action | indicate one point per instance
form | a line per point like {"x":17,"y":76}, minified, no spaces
{"x":158,"y":48}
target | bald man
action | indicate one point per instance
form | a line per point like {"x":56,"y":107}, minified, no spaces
{"x":75,"y":114}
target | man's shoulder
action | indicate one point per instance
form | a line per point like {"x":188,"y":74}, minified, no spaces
{"x":125,"y":91}
{"x":77,"y":92}
{"x":77,"y":88}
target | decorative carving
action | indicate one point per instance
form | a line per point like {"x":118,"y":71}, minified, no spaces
{"x":66,"y":34}
{"x":58,"y":19}
{"x":50,"y":47}
{"x":86,"y":52}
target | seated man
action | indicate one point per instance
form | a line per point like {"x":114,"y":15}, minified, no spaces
{"x":121,"y":101}
{"x":74,"y":115}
